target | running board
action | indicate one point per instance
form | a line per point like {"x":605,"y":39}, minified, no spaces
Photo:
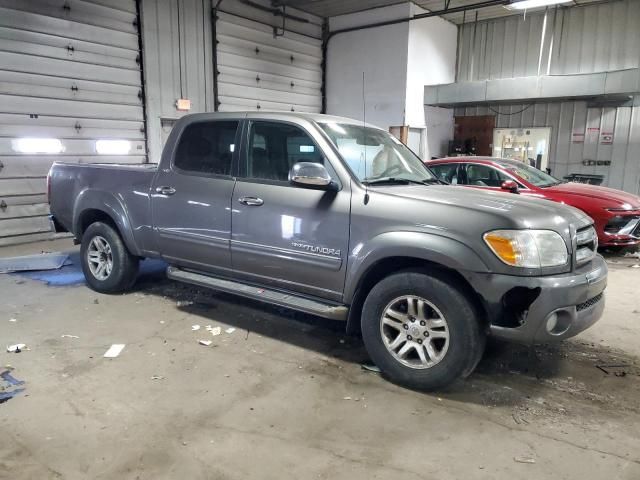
{"x":295,"y":302}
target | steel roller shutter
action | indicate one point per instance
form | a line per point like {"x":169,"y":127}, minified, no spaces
{"x":260,"y":71}
{"x":69,"y":70}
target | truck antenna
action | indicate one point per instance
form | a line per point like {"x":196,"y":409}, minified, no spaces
{"x":364,"y":141}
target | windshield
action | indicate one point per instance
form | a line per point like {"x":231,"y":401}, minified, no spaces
{"x":375,"y":155}
{"x":532,"y":175}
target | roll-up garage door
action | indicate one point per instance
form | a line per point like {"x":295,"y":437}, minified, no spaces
{"x":263,"y":66}
{"x":70,"y":91}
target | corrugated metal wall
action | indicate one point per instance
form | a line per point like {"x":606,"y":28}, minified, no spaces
{"x":69,"y":76}
{"x":178,"y":63}
{"x":262,"y":68}
{"x":587,"y":39}
{"x":591,"y":125}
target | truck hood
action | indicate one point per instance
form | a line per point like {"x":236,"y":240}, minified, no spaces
{"x":609,"y":196}
{"x":520,"y":210}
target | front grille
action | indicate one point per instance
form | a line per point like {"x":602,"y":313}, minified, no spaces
{"x":589,"y":303}
{"x":623,"y":225}
{"x":586,"y":244}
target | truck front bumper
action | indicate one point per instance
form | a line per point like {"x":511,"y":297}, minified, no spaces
{"x":565,"y":305}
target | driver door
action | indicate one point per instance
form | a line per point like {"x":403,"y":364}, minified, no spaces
{"x":287,"y":236}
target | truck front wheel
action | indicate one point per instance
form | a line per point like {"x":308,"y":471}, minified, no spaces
{"x":421,"y":330}
{"x":107,"y":265}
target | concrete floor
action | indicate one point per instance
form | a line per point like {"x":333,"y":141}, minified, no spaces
{"x":284,"y":396}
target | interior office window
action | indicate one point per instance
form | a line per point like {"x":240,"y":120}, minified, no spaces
{"x":274,"y":147}
{"x":207,"y":147}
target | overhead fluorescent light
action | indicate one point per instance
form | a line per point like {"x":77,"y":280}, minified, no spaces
{"x":529,"y":4}
{"x":37,"y":145}
{"x":113,"y":147}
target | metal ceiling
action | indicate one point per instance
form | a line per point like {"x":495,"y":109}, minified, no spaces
{"x":330,"y":8}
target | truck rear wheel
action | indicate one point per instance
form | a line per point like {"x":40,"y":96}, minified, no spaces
{"x":421,"y":330}
{"x":107,"y":265}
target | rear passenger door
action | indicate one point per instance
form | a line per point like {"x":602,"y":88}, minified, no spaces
{"x":283,"y":235}
{"x":191,"y":197}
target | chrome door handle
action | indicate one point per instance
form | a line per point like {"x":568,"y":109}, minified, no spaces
{"x":165,"y":190}
{"x":251,"y":201}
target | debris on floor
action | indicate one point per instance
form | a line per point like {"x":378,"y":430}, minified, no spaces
{"x":13,"y":320}
{"x":230,"y":330}
{"x":206,"y":343}
{"x":184,"y":303}
{"x":617,"y":370}
{"x":69,"y":336}
{"x":17,"y":348}
{"x":215,"y":331}
{"x":29,"y":263}
{"x":195,"y":327}
{"x":635,"y":254}
{"x":370,"y":367}
{"x":524,"y":459}
{"x":157,"y":377}
{"x":8,"y":384}
{"x":114,"y":350}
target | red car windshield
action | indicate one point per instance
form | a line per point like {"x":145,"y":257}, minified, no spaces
{"x":531,"y":174}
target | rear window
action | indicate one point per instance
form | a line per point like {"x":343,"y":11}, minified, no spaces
{"x":207,"y":147}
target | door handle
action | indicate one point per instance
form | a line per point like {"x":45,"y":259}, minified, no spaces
{"x":165,"y":190}
{"x":251,"y":201}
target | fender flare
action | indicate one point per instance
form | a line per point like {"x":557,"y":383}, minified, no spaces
{"x":108,"y":203}
{"x":438,"y":249}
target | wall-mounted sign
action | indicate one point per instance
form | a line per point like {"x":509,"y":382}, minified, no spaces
{"x":577,"y":137}
{"x":183,"y":104}
{"x":606,"y":138}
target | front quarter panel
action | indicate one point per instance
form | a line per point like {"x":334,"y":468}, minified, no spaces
{"x":425,"y":246}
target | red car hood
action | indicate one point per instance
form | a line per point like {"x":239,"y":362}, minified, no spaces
{"x":609,"y":196}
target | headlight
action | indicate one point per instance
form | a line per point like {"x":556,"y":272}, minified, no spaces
{"x":528,"y":248}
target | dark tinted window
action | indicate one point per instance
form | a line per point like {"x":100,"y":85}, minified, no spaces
{"x":275,"y":147}
{"x":447,"y":172}
{"x":484,"y":176}
{"x":207,"y":147}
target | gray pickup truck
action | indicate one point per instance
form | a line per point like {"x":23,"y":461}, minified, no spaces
{"x":338,"y":219}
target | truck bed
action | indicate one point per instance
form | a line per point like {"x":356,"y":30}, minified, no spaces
{"x":124,"y":187}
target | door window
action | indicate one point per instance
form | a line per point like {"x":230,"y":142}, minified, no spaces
{"x":484,"y":176}
{"x":274,"y":148}
{"x":207,"y":147}
{"x":447,"y":172}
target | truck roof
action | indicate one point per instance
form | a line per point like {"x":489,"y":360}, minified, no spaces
{"x":314,"y":117}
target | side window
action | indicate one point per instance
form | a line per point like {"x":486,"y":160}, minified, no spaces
{"x":447,"y":172}
{"x":274,"y":147}
{"x":207,"y":147}
{"x":484,"y":176}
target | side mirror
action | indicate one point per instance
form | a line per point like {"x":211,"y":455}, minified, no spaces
{"x":509,"y":186}
{"x":311,"y":175}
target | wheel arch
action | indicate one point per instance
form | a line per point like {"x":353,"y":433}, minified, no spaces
{"x":97,"y":206}
{"x":398,"y":264}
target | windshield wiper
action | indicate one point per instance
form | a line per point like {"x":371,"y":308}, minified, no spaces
{"x":399,"y":181}
{"x":431,"y":181}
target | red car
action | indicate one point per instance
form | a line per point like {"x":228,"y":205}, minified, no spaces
{"x":616,"y":213}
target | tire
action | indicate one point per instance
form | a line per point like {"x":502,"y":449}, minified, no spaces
{"x":102,"y":243}
{"x":451,"y":358}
